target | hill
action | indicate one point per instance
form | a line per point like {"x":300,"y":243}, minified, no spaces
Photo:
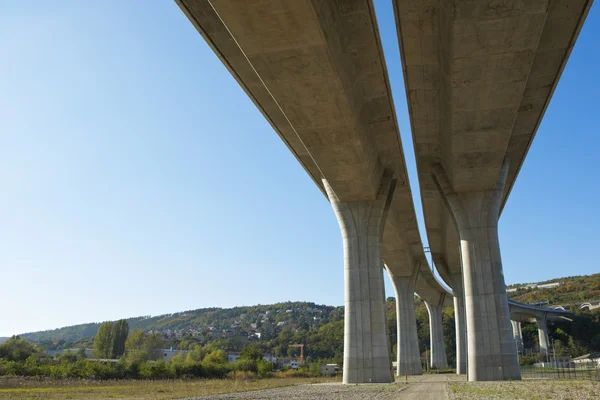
{"x":320,"y":327}
{"x":214,"y":323}
{"x":571,"y":290}
{"x":3,"y":339}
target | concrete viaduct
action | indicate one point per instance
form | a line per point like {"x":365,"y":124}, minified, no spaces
{"x":316,"y":71}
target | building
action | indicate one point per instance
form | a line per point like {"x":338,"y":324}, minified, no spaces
{"x":329,"y":369}
{"x":233,"y":356}
{"x":89,"y":353}
{"x":589,"y":359}
{"x":168,"y":354}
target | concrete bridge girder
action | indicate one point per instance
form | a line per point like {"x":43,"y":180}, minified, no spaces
{"x":478,"y":80}
{"x":317,"y":73}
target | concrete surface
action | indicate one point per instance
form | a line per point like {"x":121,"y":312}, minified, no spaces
{"x":543,"y":335}
{"x":479,"y":76}
{"x":407,"y":346}
{"x":491,"y":349}
{"x":317,"y":73}
{"x":460,"y":324}
{"x":518,"y":335}
{"x":436,"y":337}
{"x":366,"y":343}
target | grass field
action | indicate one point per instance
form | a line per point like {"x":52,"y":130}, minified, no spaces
{"x":527,"y":389}
{"x":17,"y":388}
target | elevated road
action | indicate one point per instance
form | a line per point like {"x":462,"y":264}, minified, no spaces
{"x":316,"y":71}
{"x":479,"y":76}
{"x":520,"y":312}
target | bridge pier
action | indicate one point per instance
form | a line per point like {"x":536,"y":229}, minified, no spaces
{"x":491,"y":348}
{"x":543,"y":336}
{"x":366,"y":343}
{"x":460,"y":324}
{"x":407,"y":345}
{"x":518,"y":334}
{"x":436,"y":337}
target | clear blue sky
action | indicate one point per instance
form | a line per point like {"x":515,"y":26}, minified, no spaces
{"x":137,"y":178}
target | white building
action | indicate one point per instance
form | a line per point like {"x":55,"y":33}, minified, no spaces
{"x":329,"y":369}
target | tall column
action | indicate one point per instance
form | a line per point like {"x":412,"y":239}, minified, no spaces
{"x":436,"y":335}
{"x":407,"y":346}
{"x":490,"y":343}
{"x":366,"y":343}
{"x":460,"y":324}
{"x":543,"y":336}
{"x":518,"y":335}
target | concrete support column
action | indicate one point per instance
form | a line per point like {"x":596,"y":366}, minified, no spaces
{"x":407,"y":346}
{"x":460,"y":324}
{"x":436,"y":335}
{"x":518,"y":335}
{"x":490,"y":343}
{"x":543,"y":336}
{"x":366,"y":343}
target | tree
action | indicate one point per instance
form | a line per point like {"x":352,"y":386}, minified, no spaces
{"x":119,"y":336}
{"x":251,"y":353}
{"x":104,"y":341}
{"x":152,"y":344}
{"x":215,"y":357}
{"x":140,"y":346}
{"x":17,"y":349}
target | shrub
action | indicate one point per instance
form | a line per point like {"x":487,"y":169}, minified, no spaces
{"x":245,"y":365}
{"x":264,"y":368}
{"x":215,"y":370}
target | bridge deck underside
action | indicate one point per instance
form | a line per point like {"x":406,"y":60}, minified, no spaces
{"x":317,"y":73}
{"x":479,"y":76}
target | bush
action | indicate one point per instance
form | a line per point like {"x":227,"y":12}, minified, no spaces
{"x":215,"y":370}
{"x":155,"y":370}
{"x":264,"y":368}
{"x":245,"y":365}
{"x":527,"y":360}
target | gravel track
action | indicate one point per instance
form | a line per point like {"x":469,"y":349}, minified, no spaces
{"x":318,"y":392}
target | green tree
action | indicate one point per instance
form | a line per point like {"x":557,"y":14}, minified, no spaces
{"x":17,"y":349}
{"x":119,"y":336}
{"x":251,"y":352}
{"x":215,"y":357}
{"x":104,"y":341}
{"x":153,"y":344}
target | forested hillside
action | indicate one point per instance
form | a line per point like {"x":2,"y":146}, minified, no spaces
{"x":571,"y":290}
{"x":274,"y":327}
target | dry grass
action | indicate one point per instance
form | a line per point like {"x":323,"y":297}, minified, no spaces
{"x":528,"y":389}
{"x":18,"y":388}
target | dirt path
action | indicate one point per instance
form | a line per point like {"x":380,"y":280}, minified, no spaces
{"x":428,"y":387}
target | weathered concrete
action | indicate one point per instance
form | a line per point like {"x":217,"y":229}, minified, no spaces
{"x":436,"y":337}
{"x":478,"y":79}
{"x":316,"y":71}
{"x":407,"y":346}
{"x":491,"y":348}
{"x":518,"y":335}
{"x":460,"y":324}
{"x":543,"y":335}
{"x":366,"y":344}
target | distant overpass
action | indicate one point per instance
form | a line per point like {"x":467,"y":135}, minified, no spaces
{"x":520,"y":312}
